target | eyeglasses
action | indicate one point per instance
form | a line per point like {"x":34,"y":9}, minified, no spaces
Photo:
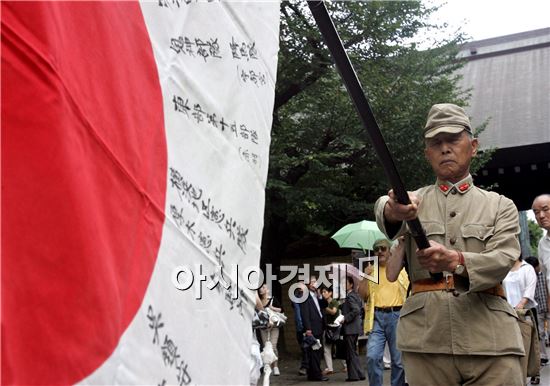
{"x":380,"y":248}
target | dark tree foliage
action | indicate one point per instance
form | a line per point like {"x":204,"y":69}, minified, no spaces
{"x":323,"y":171}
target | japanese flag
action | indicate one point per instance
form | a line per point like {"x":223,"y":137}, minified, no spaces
{"x":135,"y":145}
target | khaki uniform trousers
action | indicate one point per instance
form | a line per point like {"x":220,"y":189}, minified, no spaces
{"x":443,"y":369}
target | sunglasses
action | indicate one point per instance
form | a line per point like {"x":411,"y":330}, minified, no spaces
{"x":380,"y":248}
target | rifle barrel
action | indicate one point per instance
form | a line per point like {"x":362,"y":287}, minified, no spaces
{"x":351,"y":81}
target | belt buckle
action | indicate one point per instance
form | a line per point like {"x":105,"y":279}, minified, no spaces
{"x":447,"y":280}
{"x":447,"y":287}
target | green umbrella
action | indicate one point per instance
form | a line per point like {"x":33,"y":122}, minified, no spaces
{"x":360,"y":235}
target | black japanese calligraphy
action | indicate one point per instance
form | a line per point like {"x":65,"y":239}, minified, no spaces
{"x":176,"y":4}
{"x":206,"y":49}
{"x":193,"y":195}
{"x":154,"y":323}
{"x":243,"y":50}
{"x":169,"y":350}
{"x":255,"y":77}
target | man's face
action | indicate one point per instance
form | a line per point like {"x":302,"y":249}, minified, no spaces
{"x":312,"y":283}
{"x":541,"y":208}
{"x":450,"y":155}
{"x":383,"y":252}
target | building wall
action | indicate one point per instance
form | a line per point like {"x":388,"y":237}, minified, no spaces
{"x":509,"y":79}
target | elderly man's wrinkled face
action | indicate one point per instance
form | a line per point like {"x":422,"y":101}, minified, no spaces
{"x":541,"y":209}
{"x":450,"y":155}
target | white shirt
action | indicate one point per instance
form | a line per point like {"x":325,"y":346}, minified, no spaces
{"x":521,"y":284}
{"x":544,"y":256}
{"x":316,"y":301}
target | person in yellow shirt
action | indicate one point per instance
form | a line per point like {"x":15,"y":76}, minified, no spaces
{"x":385,"y":300}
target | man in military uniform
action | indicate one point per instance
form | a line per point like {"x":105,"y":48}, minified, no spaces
{"x":458,"y":330}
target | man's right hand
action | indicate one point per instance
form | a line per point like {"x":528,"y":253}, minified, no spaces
{"x":396,"y":212}
{"x":369,"y":269}
{"x":308,"y":333}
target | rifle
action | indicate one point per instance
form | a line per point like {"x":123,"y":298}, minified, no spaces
{"x":343,"y":64}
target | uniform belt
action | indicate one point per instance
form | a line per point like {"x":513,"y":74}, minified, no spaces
{"x":448,"y":284}
{"x":388,"y":309}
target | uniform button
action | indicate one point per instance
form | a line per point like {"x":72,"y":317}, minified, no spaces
{"x":453,"y":191}
{"x":452,"y":214}
{"x":453,"y":240}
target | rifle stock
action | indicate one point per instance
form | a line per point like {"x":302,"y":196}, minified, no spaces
{"x":351,"y":81}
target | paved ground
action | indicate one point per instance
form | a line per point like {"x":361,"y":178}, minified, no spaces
{"x":289,"y":375}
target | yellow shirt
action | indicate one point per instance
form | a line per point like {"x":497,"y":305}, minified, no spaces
{"x":386,"y":293}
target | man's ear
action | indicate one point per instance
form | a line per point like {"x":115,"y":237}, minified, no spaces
{"x":475,"y":146}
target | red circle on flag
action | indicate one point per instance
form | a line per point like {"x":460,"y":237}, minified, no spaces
{"x":84,"y":168}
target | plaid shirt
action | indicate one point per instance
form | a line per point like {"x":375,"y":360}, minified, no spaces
{"x":541,"y":293}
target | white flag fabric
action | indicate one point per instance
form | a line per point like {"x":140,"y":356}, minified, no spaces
{"x":135,"y":152}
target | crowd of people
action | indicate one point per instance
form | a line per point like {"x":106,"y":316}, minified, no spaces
{"x":450,"y":313}
{"x":321,"y":322}
{"x":337,"y":323}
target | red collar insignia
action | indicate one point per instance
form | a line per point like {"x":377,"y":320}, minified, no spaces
{"x":464,"y":187}
{"x":444,"y":188}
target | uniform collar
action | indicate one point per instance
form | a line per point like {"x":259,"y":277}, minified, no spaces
{"x":461,"y":186}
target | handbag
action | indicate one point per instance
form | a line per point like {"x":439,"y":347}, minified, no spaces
{"x":332,"y":334}
{"x":276,"y":318}
{"x":260,"y":320}
{"x":340,"y":346}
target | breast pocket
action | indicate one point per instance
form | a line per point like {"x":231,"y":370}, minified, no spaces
{"x":476,"y":236}
{"x":435,"y":231}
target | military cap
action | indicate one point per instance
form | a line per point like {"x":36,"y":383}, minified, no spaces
{"x":446,"y":118}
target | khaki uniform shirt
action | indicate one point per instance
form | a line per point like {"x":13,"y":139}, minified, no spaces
{"x":485,"y":227}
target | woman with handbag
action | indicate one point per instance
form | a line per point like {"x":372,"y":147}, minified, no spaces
{"x":332,"y":333}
